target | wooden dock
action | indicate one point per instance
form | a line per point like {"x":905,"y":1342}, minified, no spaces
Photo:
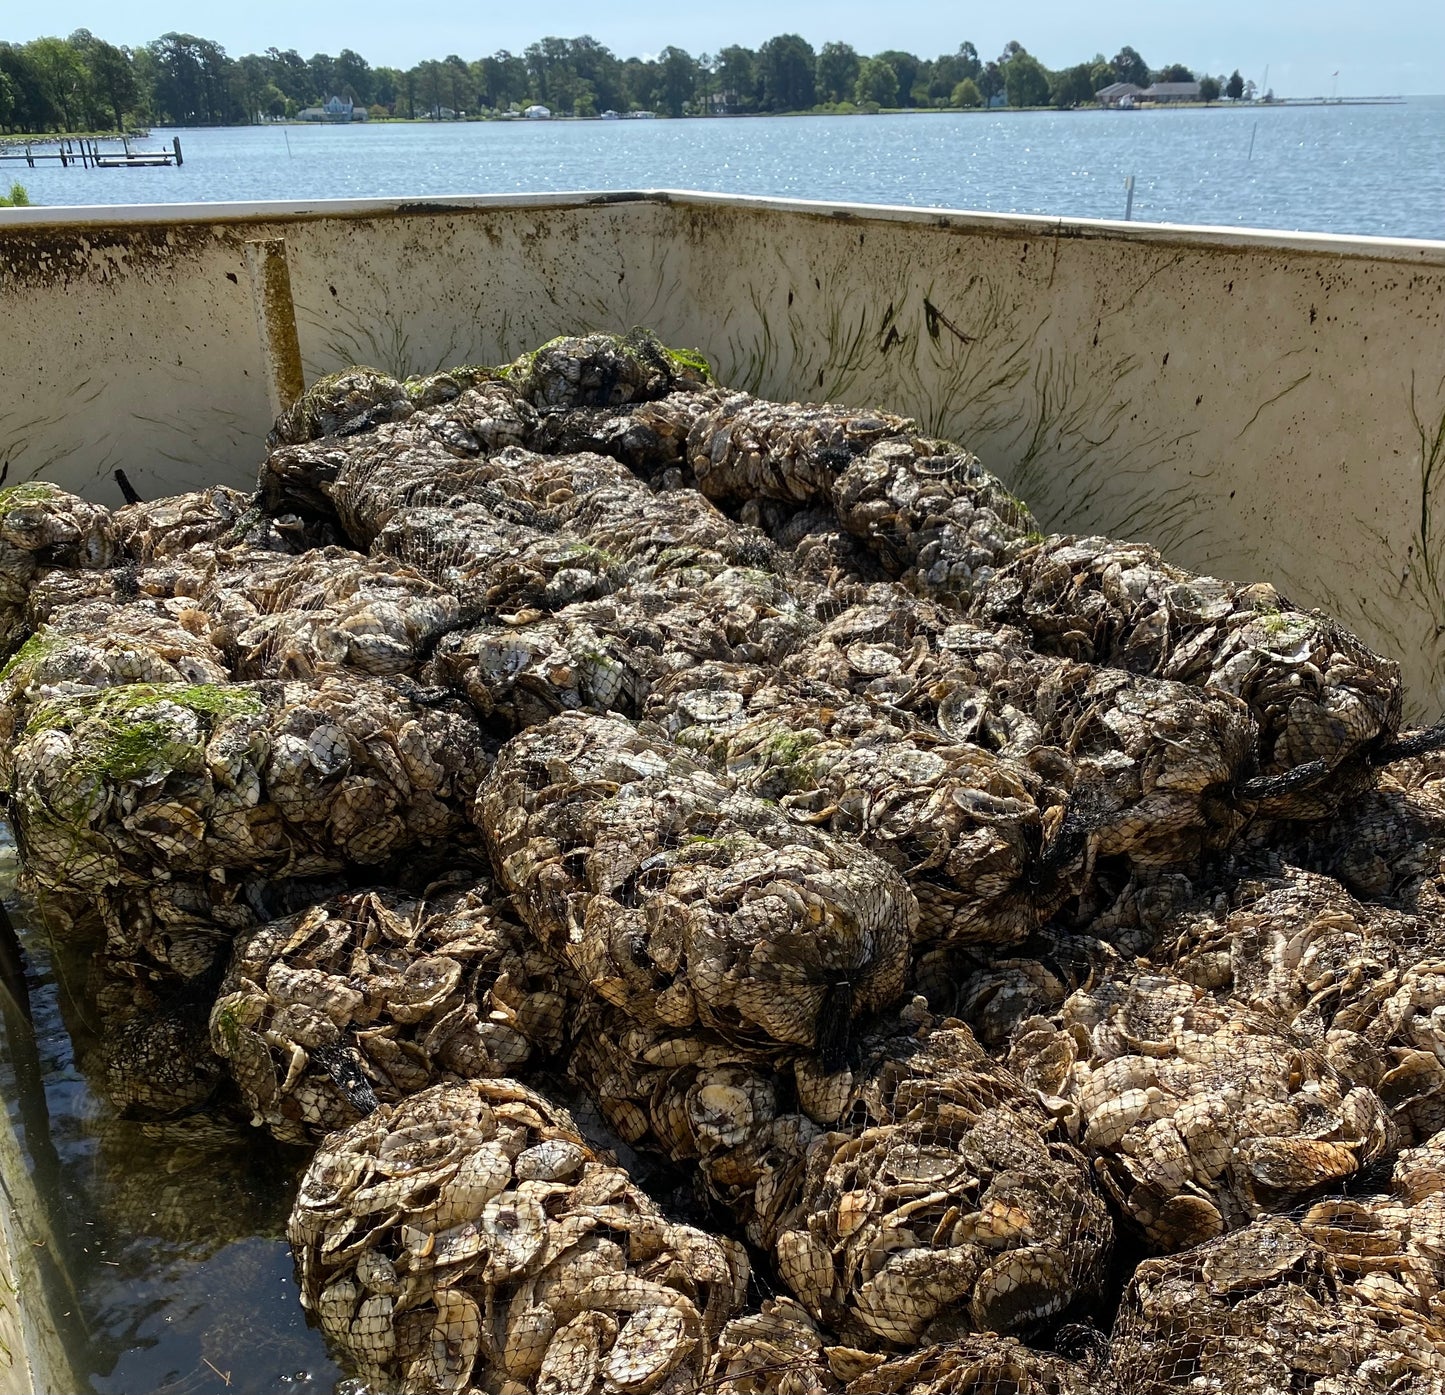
{"x":88,"y":154}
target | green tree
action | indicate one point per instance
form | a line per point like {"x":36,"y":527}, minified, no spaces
{"x":324,"y":80}
{"x":461,"y":93}
{"x":597,"y":65}
{"x":503,"y":80}
{"x":354,"y":76}
{"x":837,"y":72}
{"x":1026,"y":81}
{"x":906,"y":68}
{"x":641,"y":82}
{"x":1175,"y":72}
{"x":7,"y":102}
{"x":966,"y":94}
{"x":62,"y":76}
{"x":736,"y":71}
{"x":785,"y":74}
{"x":679,"y":79}
{"x":877,"y":83}
{"x":1100,"y":75}
{"x":113,"y":71}
{"x":430,"y":83}
{"x":990,"y":81}
{"x":1130,"y":67}
{"x":1234,"y":88}
{"x":290,"y":73}
{"x":549,"y":74}
{"x":252,"y":79}
{"x":385,"y":87}
{"x":1209,"y":88}
{"x":189,"y":78}
{"x":1072,"y":87}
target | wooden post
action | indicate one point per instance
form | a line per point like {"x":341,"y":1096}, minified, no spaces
{"x":29,"y":158}
{"x":176,"y":141}
{"x":276,"y":320}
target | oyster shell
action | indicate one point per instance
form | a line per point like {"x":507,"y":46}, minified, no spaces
{"x":1263,"y":1309}
{"x":1199,"y":1114}
{"x":945,"y":1206}
{"x":677,"y":898}
{"x":373,"y":996}
{"x":432,"y":1262}
{"x":149,"y":784}
{"x":1318,"y":694}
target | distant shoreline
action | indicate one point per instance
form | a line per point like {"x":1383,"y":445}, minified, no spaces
{"x":50,"y":137}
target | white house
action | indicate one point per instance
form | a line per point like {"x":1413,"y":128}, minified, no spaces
{"x":538,"y":113}
{"x":334,"y":109}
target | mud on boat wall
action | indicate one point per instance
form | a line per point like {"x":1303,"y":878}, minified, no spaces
{"x":1257,"y":405}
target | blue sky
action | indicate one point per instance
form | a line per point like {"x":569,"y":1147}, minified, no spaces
{"x":1394,"y":46}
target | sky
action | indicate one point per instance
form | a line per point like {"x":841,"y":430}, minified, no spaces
{"x":1389,"y":47}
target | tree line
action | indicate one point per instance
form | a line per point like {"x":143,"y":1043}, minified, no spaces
{"x":86,"y":83}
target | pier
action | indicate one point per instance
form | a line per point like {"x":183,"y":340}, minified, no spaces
{"x":88,"y":154}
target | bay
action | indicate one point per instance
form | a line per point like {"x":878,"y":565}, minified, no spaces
{"x":1376,"y":170}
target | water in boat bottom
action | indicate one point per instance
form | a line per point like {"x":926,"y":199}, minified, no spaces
{"x":169,"y":1268}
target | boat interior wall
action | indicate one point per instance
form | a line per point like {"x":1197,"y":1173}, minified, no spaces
{"x":1256,"y":404}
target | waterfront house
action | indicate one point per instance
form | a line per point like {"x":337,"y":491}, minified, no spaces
{"x":1114,"y":94}
{"x":1171,"y":92}
{"x":334,"y":109}
{"x":538,"y":113}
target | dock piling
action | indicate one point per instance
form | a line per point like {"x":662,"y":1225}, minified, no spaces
{"x":1129,"y":198}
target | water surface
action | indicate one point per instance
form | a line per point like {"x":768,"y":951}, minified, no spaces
{"x":1344,"y":169}
{"x":168,"y":1265}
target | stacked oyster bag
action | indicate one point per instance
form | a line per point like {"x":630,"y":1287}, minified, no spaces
{"x":783,"y":734}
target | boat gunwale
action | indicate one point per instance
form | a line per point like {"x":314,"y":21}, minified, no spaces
{"x":1416,"y":251}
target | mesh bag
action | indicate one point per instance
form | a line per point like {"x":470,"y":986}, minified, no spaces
{"x":649,"y":437}
{"x":947,"y":1206}
{"x":1318,"y":694}
{"x":604,"y":370}
{"x":1387,"y":843}
{"x":342,"y":404}
{"x":41,"y":527}
{"x":745,"y":1115}
{"x":146,"y":784}
{"x":1198,"y":1114}
{"x":293,"y":617}
{"x":467,"y":1238}
{"x":374,"y":996}
{"x":927,"y":510}
{"x":1265,"y":1309}
{"x":155,"y":1055}
{"x":98,"y":645}
{"x":679,"y":899}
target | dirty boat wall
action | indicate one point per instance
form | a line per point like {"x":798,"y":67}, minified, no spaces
{"x":1256,"y":404}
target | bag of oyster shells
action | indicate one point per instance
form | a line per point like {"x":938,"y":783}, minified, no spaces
{"x":468,"y":1239}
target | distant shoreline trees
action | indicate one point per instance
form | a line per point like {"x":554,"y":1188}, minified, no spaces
{"x":86,"y":83}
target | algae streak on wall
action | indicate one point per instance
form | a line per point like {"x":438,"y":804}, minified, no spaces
{"x":1256,"y":404}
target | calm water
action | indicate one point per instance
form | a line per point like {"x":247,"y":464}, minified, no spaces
{"x":167,"y":1263}
{"x":1339,"y":169}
